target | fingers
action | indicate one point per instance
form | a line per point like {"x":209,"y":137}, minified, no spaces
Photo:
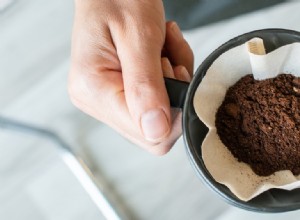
{"x":117,"y":71}
{"x":182,"y":74}
{"x":167,"y":68}
{"x":178,"y":72}
{"x":178,"y":50}
{"x":139,"y":52}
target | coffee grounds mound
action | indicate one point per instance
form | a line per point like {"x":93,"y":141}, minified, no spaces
{"x":259,"y":122}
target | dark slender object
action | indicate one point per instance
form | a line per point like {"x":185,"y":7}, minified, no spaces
{"x":177,"y":91}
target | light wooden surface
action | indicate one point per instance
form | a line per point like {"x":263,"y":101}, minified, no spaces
{"x":35,"y":184}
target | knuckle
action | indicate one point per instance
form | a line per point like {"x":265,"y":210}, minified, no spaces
{"x":142,"y":29}
{"x":77,"y":103}
{"x":79,"y":84}
{"x":75,"y":95}
{"x":143,"y":85}
{"x":73,"y":87}
{"x":151,"y":30}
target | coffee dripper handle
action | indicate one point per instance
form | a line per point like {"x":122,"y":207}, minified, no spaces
{"x":176,"y":90}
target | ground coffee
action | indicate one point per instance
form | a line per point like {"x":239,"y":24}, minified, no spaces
{"x":259,"y":122}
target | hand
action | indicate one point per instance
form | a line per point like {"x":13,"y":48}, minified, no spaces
{"x":116,"y":73}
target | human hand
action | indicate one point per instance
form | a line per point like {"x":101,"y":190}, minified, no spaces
{"x":116,"y":73}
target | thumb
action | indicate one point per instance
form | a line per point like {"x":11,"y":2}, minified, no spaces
{"x":144,"y":87}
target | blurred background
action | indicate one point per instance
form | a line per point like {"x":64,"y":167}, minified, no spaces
{"x":35,"y":181}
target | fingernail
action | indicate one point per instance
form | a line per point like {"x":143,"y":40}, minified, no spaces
{"x":176,"y":30}
{"x":185,"y":73}
{"x":155,"y":125}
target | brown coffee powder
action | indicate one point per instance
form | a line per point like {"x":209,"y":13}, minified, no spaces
{"x":259,"y":122}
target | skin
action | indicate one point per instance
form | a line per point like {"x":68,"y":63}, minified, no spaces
{"x":117,"y":69}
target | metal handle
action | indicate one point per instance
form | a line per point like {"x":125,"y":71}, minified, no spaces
{"x":176,"y":91}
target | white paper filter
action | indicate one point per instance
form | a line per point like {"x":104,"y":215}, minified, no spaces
{"x":225,"y":72}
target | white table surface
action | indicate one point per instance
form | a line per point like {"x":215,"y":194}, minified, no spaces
{"x":35,"y":184}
